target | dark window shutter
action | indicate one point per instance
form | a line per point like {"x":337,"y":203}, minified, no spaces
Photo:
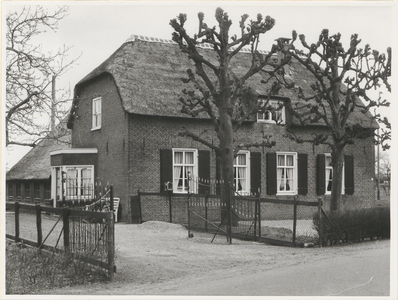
{"x":349,"y":174}
{"x":166,"y":167}
{"x":320,"y":170}
{"x":302,"y":180}
{"x":204,"y":171}
{"x":271,"y":173}
{"x":255,"y":172}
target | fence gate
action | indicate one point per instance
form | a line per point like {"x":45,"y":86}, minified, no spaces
{"x":86,"y":233}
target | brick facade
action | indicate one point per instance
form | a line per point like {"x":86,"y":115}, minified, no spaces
{"x":129,"y":148}
{"x":111,"y":140}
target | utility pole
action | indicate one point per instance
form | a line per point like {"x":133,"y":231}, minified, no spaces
{"x":378,"y":166}
{"x":52,"y":125}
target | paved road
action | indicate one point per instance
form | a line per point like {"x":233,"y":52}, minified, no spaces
{"x":366,"y":273}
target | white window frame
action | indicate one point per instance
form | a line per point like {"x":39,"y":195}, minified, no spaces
{"x":57,"y":185}
{"x":329,"y":155}
{"x":293,"y":190}
{"x":266,"y":116}
{"x":96,"y":113}
{"x":193,"y":177}
{"x":246,"y":187}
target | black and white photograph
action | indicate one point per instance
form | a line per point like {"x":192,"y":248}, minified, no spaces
{"x":198,"y":150}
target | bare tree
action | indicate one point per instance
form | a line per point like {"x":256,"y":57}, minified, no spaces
{"x":342,"y":79}
{"x":29,"y":75}
{"x":219,"y":92}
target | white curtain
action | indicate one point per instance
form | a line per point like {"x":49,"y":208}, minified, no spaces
{"x":71,"y":182}
{"x":241,"y":179}
{"x":281,"y":173}
{"x":289,"y":160}
{"x":329,"y":178}
{"x":178,"y":175}
{"x":86,"y":182}
{"x":329,"y":173}
{"x":289,"y":179}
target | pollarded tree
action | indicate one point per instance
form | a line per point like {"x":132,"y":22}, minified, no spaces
{"x":342,"y":79}
{"x":222,"y":94}
{"x":30,"y":73}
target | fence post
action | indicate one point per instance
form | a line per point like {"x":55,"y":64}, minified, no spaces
{"x":259,"y":218}
{"x":255,"y":219}
{"x":16,"y":221}
{"x":65,"y":215}
{"x":170,"y":208}
{"x":229,"y":219}
{"x":206,"y":203}
{"x":38,"y":225}
{"x":111,"y":246}
{"x":294,"y":219}
{"x":189,"y":219}
{"x":111,"y":197}
{"x":320,"y":221}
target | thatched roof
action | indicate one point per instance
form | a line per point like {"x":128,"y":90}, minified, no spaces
{"x":148,"y":73}
{"x":36,"y":163}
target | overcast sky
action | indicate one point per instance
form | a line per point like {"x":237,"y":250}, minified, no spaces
{"x":97,"y":29}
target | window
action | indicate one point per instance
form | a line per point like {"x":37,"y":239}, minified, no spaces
{"x":37,"y":190}
{"x":77,"y":183}
{"x":10,"y":190}
{"x":27,"y":190}
{"x":184,"y":170}
{"x":273,"y":112}
{"x":329,"y":175}
{"x":241,"y":173}
{"x":96,"y":113}
{"x":18,"y":190}
{"x":286,"y":173}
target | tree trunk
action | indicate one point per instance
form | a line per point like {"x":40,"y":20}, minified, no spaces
{"x":337,"y":183}
{"x":225,"y":136}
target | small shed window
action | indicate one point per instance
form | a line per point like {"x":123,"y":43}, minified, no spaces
{"x":18,"y":190}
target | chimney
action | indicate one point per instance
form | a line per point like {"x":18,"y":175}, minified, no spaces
{"x":283,"y":44}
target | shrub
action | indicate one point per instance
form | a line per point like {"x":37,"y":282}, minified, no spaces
{"x":353,"y":225}
{"x":29,"y":270}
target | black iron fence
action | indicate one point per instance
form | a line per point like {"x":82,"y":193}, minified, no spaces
{"x":276,"y":221}
{"x":86,"y":235}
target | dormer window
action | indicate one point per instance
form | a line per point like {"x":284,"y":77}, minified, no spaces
{"x":272,"y":111}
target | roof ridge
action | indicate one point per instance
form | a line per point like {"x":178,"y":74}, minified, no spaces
{"x":144,"y":38}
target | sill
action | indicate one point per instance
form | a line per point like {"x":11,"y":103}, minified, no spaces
{"x":270,"y":122}
{"x":96,"y":128}
{"x":286,"y":194}
{"x":266,"y":122}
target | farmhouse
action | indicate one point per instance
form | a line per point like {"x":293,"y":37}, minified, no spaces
{"x":29,"y":180}
{"x":126,"y":120}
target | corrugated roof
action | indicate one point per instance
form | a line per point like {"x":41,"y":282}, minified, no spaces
{"x":148,"y":73}
{"x":36,"y":163}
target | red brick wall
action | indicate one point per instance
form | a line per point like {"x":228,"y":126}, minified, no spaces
{"x":129,"y":147}
{"x":149,"y":134}
{"x":111,"y":140}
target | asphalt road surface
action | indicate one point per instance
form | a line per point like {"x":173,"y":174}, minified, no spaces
{"x":366,"y":273}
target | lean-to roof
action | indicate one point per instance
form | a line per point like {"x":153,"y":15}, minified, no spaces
{"x":36,"y":164}
{"x":148,"y":73}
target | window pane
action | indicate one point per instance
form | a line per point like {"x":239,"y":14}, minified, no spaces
{"x":328,"y":161}
{"x":289,"y":160}
{"x":242,"y":159}
{"x":189,"y":158}
{"x":329,"y":179}
{"x":281,"y":160}
{"x":178,"y":157}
